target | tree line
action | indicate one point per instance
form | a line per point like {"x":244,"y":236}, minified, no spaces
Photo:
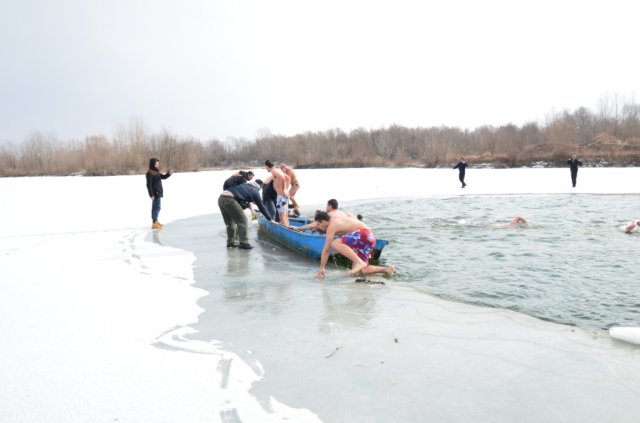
{"x":606,"y":137}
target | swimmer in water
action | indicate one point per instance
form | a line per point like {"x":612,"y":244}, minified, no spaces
{"x":517,"y":221}
{"x":634,"y":224}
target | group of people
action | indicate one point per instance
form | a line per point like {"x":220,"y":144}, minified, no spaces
{"x":240,"y":191}
{"x":573,"y":163}
{"x":353,"y":238}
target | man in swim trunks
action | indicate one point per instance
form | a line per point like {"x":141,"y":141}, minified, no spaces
{"x":281,"y":184}
{"x":356,"y":244}
{"x":295,"y":185}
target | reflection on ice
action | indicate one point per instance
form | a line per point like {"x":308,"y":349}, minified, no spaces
{"x":360,"y":353}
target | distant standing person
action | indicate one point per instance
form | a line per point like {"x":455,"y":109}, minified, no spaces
{"x":281,"y":185}
{"x":154,"y":187}
{"x":295,"y":185}
{"x":573,"y":163}
{"x":461,"y":166}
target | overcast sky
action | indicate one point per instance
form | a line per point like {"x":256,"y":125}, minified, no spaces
{"x":218,"y":69}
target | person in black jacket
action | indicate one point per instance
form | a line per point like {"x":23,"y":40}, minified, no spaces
{"x":238,"y":178}
{"x":154,"y":188}
{"x":461,"y":166}
{"x":573,"y":163}
{"x":269,"y":197}
{"x":232,"y":201}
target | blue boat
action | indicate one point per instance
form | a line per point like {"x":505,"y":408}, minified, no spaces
{"x":309,"y":243}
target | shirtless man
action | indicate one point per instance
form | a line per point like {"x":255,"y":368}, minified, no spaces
{"x":356,"y":244}
{"x":295,"y":186}
{"x":281,"y":184}
{"x":518,"y":219}
{"x":514,"y":223}
{"x":332,"y":211}
{"x":632,"y":226}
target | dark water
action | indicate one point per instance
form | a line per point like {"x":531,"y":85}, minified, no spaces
{"x":573,"y":264}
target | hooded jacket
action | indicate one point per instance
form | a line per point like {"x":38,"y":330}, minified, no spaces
{"x":154,"y":180}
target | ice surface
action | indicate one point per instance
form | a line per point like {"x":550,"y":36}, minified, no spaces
{"x":95,"y":320}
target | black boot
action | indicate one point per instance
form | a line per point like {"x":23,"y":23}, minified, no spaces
{"x":245,"y":246}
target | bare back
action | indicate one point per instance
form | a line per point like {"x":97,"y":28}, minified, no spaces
{"x":337,"y":214}
{"x":344,"y":225}
{"x":291,"y":174}
{"x":279,"y":181}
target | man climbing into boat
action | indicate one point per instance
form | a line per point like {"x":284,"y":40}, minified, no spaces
{"x":356,"y":243}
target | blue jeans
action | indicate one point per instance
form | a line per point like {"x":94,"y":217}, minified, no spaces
{"x":155,"y":209}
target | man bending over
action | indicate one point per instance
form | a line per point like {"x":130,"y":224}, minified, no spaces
{"x":356,"y":244}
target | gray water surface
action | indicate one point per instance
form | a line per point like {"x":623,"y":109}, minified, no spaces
{"x":572,"y":264}
{"x":335,"y":348}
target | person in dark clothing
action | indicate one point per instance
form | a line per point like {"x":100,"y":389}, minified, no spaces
{"x":573,"y":163}
{"x":154,"y":188}
{"x":237,"y":179}
{"x":461,"y":166}
{"x":269,"y":197}
{"x":232,"y":201}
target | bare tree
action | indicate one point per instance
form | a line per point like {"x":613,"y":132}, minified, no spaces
{"x":36,"y":156}
{"x":8,"y":160}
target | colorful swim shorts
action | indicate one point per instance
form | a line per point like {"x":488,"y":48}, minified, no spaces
{"x":361,"y":241}
{"x":282,"y":204}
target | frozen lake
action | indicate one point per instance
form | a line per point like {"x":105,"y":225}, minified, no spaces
{"x":150,"y":326}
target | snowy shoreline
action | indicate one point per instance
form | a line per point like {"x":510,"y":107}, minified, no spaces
{"x":87,"y":301}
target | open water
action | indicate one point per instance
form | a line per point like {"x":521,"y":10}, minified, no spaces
{"x":573,"y":263}
{"x":338,"y":348}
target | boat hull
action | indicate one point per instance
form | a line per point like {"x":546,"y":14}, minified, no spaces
{"x":305,"y":242}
